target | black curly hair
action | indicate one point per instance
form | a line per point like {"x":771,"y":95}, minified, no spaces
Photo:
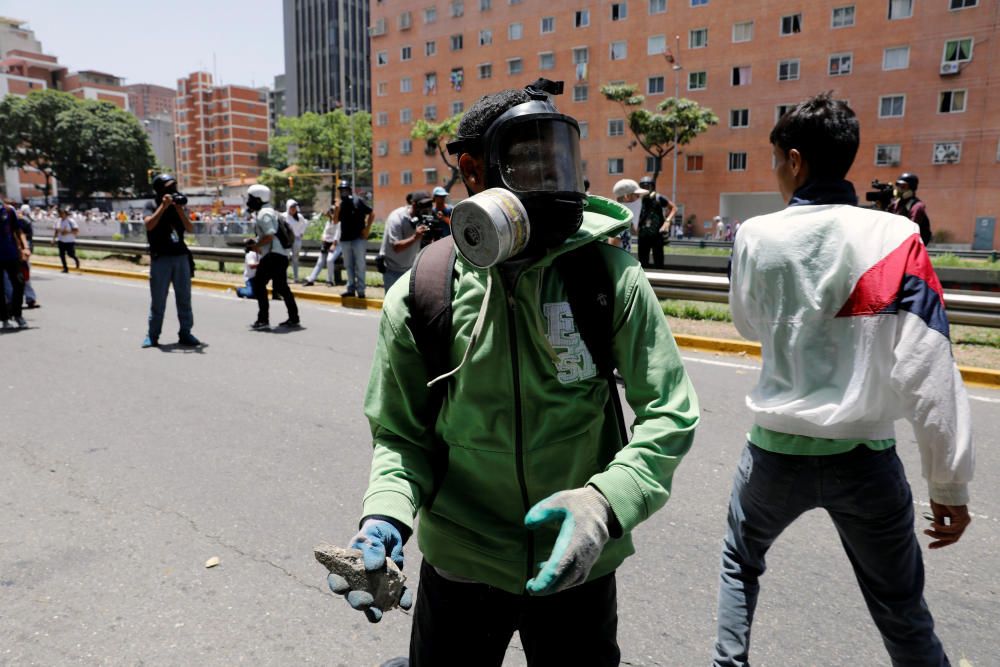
{"x":487,"y":109}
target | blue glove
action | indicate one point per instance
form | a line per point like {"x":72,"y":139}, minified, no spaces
{"x":585,"y":515}
{"x":375,"y":538}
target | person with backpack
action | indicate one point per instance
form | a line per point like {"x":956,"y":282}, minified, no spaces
{"x":519,"y":439}
{"x":655,"y":217}
{"x":273,"y":239}
{"x":355,"y":217}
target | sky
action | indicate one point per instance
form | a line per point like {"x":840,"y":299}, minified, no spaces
{"x":157,"y":41}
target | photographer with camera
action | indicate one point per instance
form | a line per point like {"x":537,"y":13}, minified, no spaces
{"x":906,"y":204}
{"x":405,"y":230}
{"x":170,"y":260}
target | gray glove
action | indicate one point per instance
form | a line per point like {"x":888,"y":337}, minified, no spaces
{"x":585,"y":515}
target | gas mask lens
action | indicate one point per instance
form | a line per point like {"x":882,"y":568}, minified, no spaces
{"x":541,"y":156}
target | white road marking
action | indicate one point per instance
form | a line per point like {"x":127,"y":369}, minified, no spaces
{"x":984,"y":399}
{"x":984,"y":517}
{"x":727,"y":364}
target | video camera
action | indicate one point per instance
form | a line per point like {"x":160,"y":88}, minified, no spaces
{"x":436,"y":227}
{"x":880,"y":194}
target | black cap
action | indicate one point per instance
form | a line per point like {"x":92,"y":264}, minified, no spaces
{"x":422,"y":198}
{"x":909,"y":179}
{"x":646,"y":179}
{"x":160,"y":182}
{"x":343,"y":184}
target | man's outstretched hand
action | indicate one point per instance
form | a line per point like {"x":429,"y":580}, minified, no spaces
{"x":377,"y":540}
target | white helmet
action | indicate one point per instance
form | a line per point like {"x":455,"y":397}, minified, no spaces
{"x":261,"y":192}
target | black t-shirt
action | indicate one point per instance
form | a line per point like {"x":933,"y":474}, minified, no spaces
{"x":167,"y":238}
{"x":353,"y":212}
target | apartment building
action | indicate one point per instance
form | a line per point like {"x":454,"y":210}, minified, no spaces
{"x":147,"y":100}
{"x":221,"y":132}
{"x":91,"y":85}
{"x":916,"y":73}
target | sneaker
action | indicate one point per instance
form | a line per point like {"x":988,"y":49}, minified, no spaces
{"x":33,"y":304}
{"x":361,"y":295}
{"x":291,"y":324}
{"x":6,"y":325}
{"x":187,"y":340}
{"x":65,"y":271}
{"x":148,"y":341}
{"x":329,"y":284}
{"x":347,"y":293}
{"x":21,"y":322}
{"x":307,"y":283}
{"x":260,"y":325}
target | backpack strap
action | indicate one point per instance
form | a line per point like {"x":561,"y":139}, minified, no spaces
{"x":591,"y":293}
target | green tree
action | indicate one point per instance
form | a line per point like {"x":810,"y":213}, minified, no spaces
{"x":324,"y":141}
{"x":290,"y":185}
{"x":680,"y":118}
{"x":28,"y":136}
{"x":437,"y":135}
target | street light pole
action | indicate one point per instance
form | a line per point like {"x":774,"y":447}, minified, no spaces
{"x":677,"y":91}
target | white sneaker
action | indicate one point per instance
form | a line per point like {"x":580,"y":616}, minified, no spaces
{"x":6,"y":325}
{"x":21,"y":322}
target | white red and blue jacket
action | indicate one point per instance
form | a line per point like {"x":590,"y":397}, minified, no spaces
{"x":853,"y":331}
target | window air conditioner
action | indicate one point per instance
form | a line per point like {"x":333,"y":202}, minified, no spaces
{"x":949,"y":68}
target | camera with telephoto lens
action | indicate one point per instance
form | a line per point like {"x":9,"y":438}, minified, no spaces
{"x":179,"y":199}
{"x":435,"y":225}
{"x":880,"y":194}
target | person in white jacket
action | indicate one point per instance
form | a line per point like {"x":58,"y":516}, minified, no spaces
{"x":851,"y":320}
{"x":329,"y":252}
{"x":298,"y":223}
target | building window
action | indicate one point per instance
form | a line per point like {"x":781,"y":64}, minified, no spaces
{"x":485,"y":5}
{"x":382,"y":118}
{"x":694,"y":162}
{"x":456,"y":42}
{"x":888,"y":155}
{"x":381,"y":89}
{"x":430,"y":176}
{"x":616,"y":165}
{"x":581,"y":93}
{"x":582,"y":18}
{"x":382,"y":148}
{"x":843,"y":17}
{"x":584,"y":129}
{"x":791,"y":24}
{"x":963,"y":4}
{"x":430,"y":112}
{"x":657,"y":7}
{"x":513,"y":2}
{"x":383,"y":178}
{"x":405,"y":115}
{"x":457,"y":8}
{"x":546,"y":60}
{"x":650,"y":164}
{"x":485,"y":37}
{"x":405,"y":146}
{"x":738,"y":161}
{"x":699,"y":3}
{"x":618,"y":50}
{"x":406,"y":177}
{"x":900,"y":9}
{"x":741,"y":75}
{"x":897,"y":57}
{"x":405,"y":21}
{"x":698,"y":38}
{"x":548,"y":24}
{"x":581,"y":55}
{"x":656,"y":45}
{"x":379,"y":28}
{"x":619,"y":11}
{"x":697,"y":80}
{"x":485,"y":71}
{"x":430,"y":48}
{"x":781,"y":110}
{"x":430,"y":15}
{"x":515,"y":66}
{"x":616,"y":127}
{"x":381,"y":58}
{"x":457,"y":107}
{"x":515,"y":31}
{"x":840,"y":64}
{"x":655,"y":85}
{"x":951,"y":101}
{"x":739,"y":118}
{"x":743,"y":32}
{"x":958,"y":50}
{"x":891,"y":106}
{"x":947,"y":152}
{"x":406,"y":53}
{"x":430,"y":82}
{"x":788,"y":70}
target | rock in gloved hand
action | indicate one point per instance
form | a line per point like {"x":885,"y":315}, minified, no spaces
{"x":385,"y":586}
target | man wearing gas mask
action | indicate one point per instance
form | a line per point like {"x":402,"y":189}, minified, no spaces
{"x":170,"y":260}
{"x":907,"y":204}
{"x":515,"y":455}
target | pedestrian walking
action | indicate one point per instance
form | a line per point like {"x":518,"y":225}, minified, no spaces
{"x":851,"y":320}
{"x":64,"y":235}
{"x":273,"y":266}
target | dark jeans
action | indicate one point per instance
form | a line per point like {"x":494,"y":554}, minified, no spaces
{"x":164,"y":271}
{"x":652,"y":244}
{"x":866,"y":494}
{"x":273,"y":267}
{"x":67,"y":248}
{"x":472,"y":624}
{"x":12,"y":269}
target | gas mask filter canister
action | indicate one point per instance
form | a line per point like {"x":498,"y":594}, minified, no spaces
{"x":490,"y":227}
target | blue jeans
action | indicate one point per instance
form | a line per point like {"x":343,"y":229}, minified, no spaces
{"x":164,"y":271}
{"x":246,"y":292}
{"x":354,"y":260}
{"x":866,"y":494}
{"x":8,"y":289}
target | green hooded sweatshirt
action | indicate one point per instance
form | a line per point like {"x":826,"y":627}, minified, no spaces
{"x":526,"y":415}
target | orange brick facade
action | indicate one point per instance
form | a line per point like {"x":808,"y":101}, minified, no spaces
{"x":220,"y":131}
{"x":916,"y":73}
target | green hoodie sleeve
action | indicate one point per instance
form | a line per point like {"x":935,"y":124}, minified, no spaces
{"x":637,"y":481}
{"x":397,"y":396}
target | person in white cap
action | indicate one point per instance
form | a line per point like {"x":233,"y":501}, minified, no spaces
{"x":628,"y":194}
{"x":298,"y":223}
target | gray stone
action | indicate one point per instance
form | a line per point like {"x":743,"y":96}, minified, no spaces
{"x":385,"y":585}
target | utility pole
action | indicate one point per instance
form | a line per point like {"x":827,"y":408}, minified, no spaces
{"x":677,"y":91}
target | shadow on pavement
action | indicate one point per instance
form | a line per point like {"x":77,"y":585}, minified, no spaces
{"x":184,"y":349}
{"x":278,"y":330}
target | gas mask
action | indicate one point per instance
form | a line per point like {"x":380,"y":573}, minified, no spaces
{"x":535,"y":196}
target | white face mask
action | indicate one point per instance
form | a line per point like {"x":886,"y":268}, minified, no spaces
{"x":635,"y":207}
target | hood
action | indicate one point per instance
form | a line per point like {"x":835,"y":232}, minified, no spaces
{"x":289,"y":204}
{"x":602,"y":219}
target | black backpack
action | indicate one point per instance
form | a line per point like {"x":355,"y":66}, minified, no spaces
{"x":591,"y":298}
{"x":284,"y":232}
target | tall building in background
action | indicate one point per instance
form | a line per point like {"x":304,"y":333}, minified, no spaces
{"x":276,"y":103}
{"x":222,"y":132}
{"x":918,"y":74}
{"x":326,"y":55}
{"x":154,"y":107}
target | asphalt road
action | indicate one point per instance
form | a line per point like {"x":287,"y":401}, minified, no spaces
{"x":125,"y":469}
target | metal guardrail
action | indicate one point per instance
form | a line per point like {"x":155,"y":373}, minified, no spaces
{"x":988,"y":255}
{"x":977,"y":309}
